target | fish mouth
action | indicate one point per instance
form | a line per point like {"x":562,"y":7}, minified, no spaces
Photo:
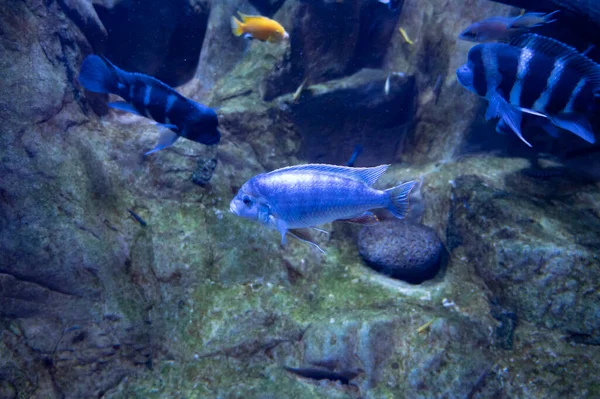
{"x":232,"y":209}
{"x":286,"y":36}
{"x":464,"y":75}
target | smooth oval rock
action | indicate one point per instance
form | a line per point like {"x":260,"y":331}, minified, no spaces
{"x":402,"y":250}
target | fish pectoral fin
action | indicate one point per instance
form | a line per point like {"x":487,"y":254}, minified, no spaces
{"x":494,"y":107}
{"x":124,"y":106}
{"x":576,"y":124}
{"x":366,"y":219}
{"x":281,"y":226}
{"x":167,"y":126}
{"x":248,"y":36}
{"x":166,"y":139}
{"x":305,"y":236}
{"x":510,"y":115}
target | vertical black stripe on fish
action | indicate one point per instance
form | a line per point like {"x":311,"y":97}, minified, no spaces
{"x":583,"y":97}
{"x":139,"y":92}
{"x":170,"y":115}
{"x":543,"y":100}
{"x":182,"y":110}
{"x":536,"y":79}
{"x":508,"y":64}
{"x":157,"y":103}
{"x":562,"y":92}
{"x":489,"y":55}
{"x":479,"y":82}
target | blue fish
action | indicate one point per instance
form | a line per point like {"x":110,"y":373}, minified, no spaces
{"x":537,"y":75}
{"x":504,"y":28}
{"x":296,"y":198}
{"x":146,"y":96}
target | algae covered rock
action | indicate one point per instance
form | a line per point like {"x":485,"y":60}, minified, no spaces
{"x":540,"y":261}
{"x":402,"y":250}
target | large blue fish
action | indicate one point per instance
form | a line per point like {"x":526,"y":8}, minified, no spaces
{"x":299,"y":197}
{"x":146,"y":96}
{"x":537,"y":75}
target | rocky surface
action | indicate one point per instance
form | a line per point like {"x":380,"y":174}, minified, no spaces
{"x":407,"y":251}
{"x":199,"y":303}
{"x":160,"y":38}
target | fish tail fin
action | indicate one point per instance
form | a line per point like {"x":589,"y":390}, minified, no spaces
{"x":399,"y":198}
{"x":551,"y":17}
{"x":97,"y":74}
{"x":236,"y":26}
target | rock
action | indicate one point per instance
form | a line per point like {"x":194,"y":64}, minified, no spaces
{"x":538,"y":260}
{"x":7,"y":390}
{"x":334,"y":117}
{"x":329,"y":40}
{"x":221,"y":50}
{"x":205,"y":167}
{"x":84,"y":15}
{"x":267,"y":7}
{"x":161,"y":39}
{"x":402,"y":250}
{"x":433,"y":58}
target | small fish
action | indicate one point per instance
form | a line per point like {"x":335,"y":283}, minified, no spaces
{"x":137,"y":218}
{"x":405,"y":36}
{"x":537,"y":75}
{"x":146,"y":96}
{"x":504,"y":29}
{"x":296,"y":198}
{"x":259,"y":28}
{"x":425,"y":326}
{"x":357,"y":151}
{"x":386,"y":86}
{"x":533,"y":20}
{"x":299,"y":91}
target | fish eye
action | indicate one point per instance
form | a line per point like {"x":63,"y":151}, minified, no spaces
{"x":246,"y":200}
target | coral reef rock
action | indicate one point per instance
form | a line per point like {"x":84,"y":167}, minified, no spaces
{"x":402,"y":250}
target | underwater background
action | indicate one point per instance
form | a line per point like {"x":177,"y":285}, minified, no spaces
{"x":124,"y":275}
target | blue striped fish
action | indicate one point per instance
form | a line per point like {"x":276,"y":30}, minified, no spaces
{"x":146,"y":96}
{"x":295,"y":198}
{"x":537,"y":75}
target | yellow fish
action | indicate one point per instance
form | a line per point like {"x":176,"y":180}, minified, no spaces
{"x":258,"y":27}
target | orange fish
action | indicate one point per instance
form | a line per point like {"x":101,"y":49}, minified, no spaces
{"x":257,"y":27}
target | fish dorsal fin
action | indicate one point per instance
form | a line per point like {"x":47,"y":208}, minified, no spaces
{"x":246,"y":18}
{"x":364,"y":175}
{"x":555,"y":49}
